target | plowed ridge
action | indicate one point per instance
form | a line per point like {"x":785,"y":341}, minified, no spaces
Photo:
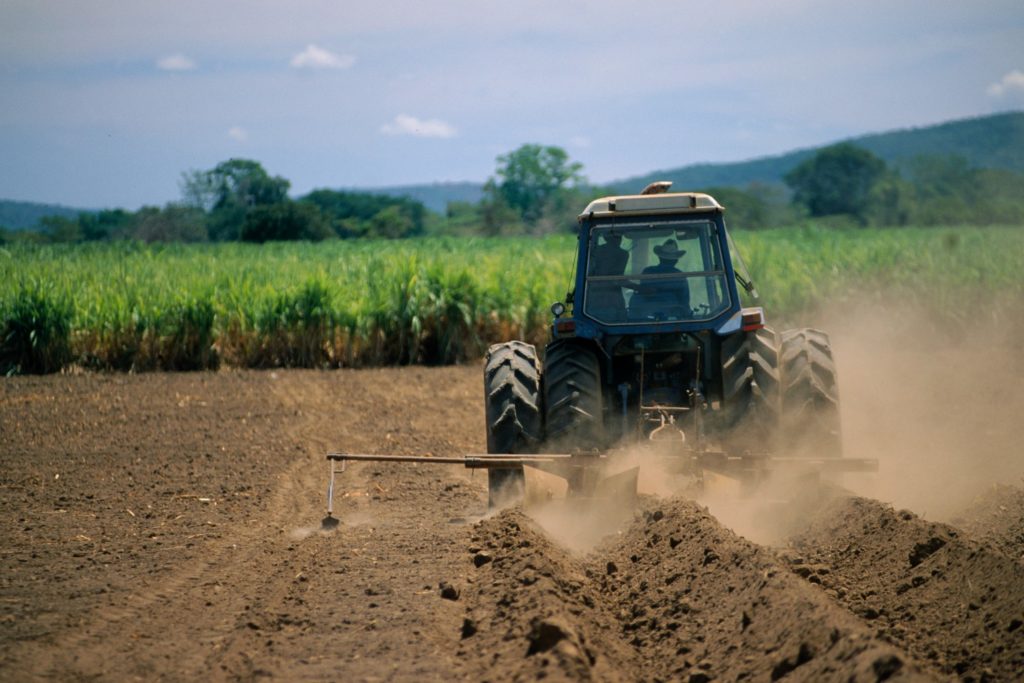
{"x":930,"y":588}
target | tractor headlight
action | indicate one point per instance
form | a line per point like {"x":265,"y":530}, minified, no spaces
{"x":558,"y":308}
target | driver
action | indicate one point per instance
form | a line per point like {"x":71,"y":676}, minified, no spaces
{"x":662,"y":299}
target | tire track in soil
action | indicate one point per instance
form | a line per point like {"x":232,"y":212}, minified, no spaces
{"x":927,"y":587}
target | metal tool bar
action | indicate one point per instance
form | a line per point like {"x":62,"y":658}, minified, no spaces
{"x":341,"y":457}
{"x":583,"y":470}
{"x":483,"y":458}
{"x":474,"y":461}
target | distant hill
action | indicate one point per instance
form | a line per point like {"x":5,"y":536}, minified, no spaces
{"x":995,"y":141}
{"x":26,"y":215}
{"x":986,"y":142}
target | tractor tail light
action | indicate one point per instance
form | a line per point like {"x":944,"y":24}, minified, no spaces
{"x":566,"y":327}
{"x":753,"y":319}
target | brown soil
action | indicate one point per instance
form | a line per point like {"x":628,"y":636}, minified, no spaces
{"x":997,"y":517}
{"x":167,"y":527}
{"x":927,"y":587}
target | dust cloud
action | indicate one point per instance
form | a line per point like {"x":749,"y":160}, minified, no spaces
{"x":941,"y":410}
{"x":937,"y":408}
{"x":773,"y":512}
{"x":580,"y":524}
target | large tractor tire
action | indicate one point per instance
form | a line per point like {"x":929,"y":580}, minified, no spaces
{"x":573,"y":401}
{"x":809,"y":421}
{"x":514,"y":419}
{"x":750,"y":390}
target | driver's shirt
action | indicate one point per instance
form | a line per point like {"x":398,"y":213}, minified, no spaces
{"x":665,"y":297}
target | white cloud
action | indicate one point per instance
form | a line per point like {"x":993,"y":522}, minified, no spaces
{"x":175,"y":62}
{"x":1012,"y":82}
{"x":238,"y":134}
{"x":410,"y":125}
{"x":314,"y":57}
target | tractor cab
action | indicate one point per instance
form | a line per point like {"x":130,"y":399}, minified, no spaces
{"x":644,"y":272}
{"x":653,"y":263}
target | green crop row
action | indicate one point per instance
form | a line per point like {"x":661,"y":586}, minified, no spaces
{"x":128,"y":306}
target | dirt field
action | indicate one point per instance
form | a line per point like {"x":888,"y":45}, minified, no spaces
{"x":166,"y":527}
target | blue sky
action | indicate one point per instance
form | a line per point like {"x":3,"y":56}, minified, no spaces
{"x":106,"y":103}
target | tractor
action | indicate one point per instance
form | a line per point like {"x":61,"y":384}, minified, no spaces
{"x":653,"y":342}
{"x":653,"y":350}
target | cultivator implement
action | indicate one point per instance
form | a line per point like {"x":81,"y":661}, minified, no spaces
{"x":591,"y":475}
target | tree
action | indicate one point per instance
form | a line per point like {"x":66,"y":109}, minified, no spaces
{"x":836,"y":180}
{"x":743,"y":209}
{"x":61,"y":228}
{"x":495,"y":210}
{"x":173,"y":223}
{"x":285,"y":221}
{"x":891,"y":201}
{"x":229,"y":191}
{"x":107,"y":224}
{"x":391,"y":222}
{"x":530,"y":179}
{"x":364,"y":214}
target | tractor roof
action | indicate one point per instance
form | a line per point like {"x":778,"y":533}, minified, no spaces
{"x":649,"y":204}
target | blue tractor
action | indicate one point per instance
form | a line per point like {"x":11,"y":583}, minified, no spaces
{"x":654,"y":343}
{"x":653,"y":354}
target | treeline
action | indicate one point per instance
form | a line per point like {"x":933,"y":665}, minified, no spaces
{"x":239,"y":201}
{"x":846,"y":186}
{"x":851,"y":183}
{"x":539,"y":190}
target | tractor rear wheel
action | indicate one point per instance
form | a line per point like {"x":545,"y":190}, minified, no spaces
{"x":514,"y":420}
{"x":750,"y":390}
{"x":574,"y":405}
{"x":809,"y":421}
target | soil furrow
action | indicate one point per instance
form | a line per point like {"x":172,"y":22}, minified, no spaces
{"x":996,"y":517}
{"x":927,"y":587}
{"x":700,"y":603}
{"x":534,"y":613}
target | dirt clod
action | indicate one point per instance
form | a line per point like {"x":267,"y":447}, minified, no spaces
{"x":886,"y":666}
{"x":924,"y":550}
{"x":547,"y":633}
{"x":448,"y":591}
